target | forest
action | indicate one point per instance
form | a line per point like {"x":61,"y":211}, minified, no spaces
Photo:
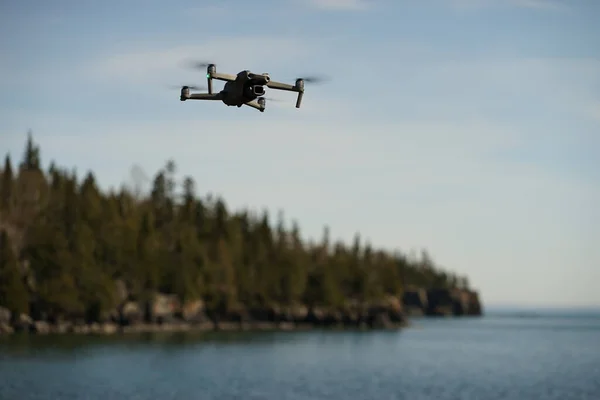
{"x":64,"y":244}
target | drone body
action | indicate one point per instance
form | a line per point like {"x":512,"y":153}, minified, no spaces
{"x":245,"y":88}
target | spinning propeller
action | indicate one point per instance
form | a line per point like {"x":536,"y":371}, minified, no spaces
{"x":202,"y":65}
{"x":314,"y":79}
{"x":199,"y":64}
{"x":191,"y":87}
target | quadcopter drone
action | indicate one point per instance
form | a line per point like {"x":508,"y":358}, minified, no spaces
{"x":245,"y":88}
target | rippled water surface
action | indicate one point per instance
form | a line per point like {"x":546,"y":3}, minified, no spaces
{"x":488,"y":358}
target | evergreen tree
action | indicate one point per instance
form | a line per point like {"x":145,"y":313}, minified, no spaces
{"x":13,"y":291}
{"x":78,"y":240}
{"x":6,"y":187}
{"x":31,"y":156}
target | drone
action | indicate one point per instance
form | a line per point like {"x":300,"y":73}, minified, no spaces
{"x":244,"y":88}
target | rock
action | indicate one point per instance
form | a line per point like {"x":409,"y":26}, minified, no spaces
{"x":40,"y":327}
{"x":81,"y":329}
{"x":460,"y":302}
{"x":414,"y":301}
{"x":380,"y":320}
{"x":193,"y":311}
{"x":163,"y":308}
{"x":298,"y":313}
{"x":392,"y":303}
{"x":23,"y":323}
{"x":130,"y":314}
{"x":6,"y":329}
{"x":62,"y":327}
{"x":440,"y":302}
{"x":108,"y":328}
{"x":474,"y":306}
{"x":397,"y":317}
{"x":5,"y":316}
{"x":286,"y":326}
{"x":378,"y":317}
{"x":315,"y":316}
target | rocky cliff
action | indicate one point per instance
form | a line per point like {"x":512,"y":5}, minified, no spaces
{"x":441,"y":302}
{"x":166,"y":313}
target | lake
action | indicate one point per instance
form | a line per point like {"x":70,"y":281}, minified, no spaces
{"x":494,"y":357}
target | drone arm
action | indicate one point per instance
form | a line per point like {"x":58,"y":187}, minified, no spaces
{"x":281,"y":86}
{"x":298,"y":87}
{"x":222,"y":77}
{"x":299,"y":99}
{"x":205,"y":96}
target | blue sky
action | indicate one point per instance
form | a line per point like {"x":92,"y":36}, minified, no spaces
{"x":467,"y":127}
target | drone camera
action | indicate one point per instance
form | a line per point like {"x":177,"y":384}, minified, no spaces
{"x":258,"y":90}
{"x":262,"y":103}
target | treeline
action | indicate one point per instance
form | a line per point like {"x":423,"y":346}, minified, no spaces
{"x":64,"y":244}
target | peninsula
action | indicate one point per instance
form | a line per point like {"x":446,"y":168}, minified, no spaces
{"x":76,"y":259}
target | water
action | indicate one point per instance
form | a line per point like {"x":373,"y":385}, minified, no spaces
{"x":496,"y":357}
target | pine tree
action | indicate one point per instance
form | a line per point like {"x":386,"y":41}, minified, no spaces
{"x":6,"y":186}
{"x":31,"y":156}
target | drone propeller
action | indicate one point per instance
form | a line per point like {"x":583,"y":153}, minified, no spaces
{"x":191,"y":87}
{"x":314,"y":79}
{"x":199,"y":64}
{"x":273,"y":99}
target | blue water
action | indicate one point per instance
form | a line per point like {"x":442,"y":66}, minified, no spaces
{"x":496,"y":357}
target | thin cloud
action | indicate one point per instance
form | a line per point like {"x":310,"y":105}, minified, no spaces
{"x":231,"y":54}
{"x":342,"y":5}
{"x":528,"y":4}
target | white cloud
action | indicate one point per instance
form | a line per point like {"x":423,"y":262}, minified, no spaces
{"x":530,"y":4}
{"x":204,"y":10}
{"x":349,"y":5}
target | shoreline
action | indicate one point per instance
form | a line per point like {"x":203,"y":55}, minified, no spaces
{"x":30,"y":327}
{"x":164,"y":313}
{"x":111,"y":328}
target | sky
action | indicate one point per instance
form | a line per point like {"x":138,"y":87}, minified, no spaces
{"x":470,"y":128}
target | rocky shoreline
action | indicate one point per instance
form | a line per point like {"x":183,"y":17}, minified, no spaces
{"x":164,"y":314}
